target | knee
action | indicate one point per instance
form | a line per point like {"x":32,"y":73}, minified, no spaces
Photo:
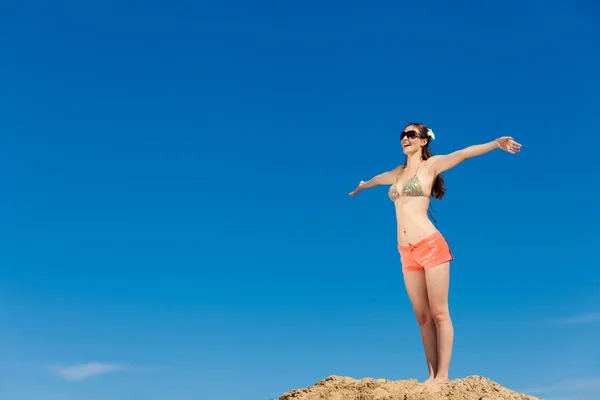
{"x":440,"y":314}
{"x":423,"y":318}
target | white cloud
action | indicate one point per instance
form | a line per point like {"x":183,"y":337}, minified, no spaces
{"x":578,"y":319}
{"x":83,"y":371}
{"x":570,"y":385}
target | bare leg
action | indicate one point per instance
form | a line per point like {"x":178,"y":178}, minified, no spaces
{"x":438,"y":281}
{"x":416,"y":288}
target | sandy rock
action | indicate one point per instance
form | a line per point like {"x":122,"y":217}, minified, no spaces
{"x":346,"y":388}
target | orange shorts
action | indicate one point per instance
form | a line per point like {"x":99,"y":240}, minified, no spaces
{"x":426,"y":253}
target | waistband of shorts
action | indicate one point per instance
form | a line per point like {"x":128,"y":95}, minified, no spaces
{"x":435,"y":235}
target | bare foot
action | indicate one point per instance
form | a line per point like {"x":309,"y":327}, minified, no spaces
{"x":439,"y":379}
{"x":429,"y":380}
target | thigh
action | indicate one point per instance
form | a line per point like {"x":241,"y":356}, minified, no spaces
{"x":416,"y":287}
{"x":438,"y":283}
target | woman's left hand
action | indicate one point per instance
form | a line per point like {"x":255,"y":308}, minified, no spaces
{"x":507,"y":143}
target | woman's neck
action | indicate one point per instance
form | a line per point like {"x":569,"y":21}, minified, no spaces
{"x":413,"y":160}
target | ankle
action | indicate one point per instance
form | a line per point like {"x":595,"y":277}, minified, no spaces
{"x":441,"y":376}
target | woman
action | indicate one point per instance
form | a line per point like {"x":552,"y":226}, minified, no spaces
{"x":424,"y":253}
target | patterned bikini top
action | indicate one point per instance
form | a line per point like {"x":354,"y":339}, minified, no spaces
{"x":412,"y":188}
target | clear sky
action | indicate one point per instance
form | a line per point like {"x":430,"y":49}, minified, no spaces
{"x":175,"y":222}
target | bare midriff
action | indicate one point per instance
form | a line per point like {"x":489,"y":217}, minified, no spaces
{"x":412,"y":220}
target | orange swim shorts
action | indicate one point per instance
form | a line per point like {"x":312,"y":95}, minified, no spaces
{"x":426,"y":253}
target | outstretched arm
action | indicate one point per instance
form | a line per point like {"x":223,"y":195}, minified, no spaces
{"x":445,"y":162}
{"x":386,"y":178}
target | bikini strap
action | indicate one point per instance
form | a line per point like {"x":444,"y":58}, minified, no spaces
{"x":418,"y":165}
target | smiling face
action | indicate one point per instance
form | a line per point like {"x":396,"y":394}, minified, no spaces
{"x":412,"y":140}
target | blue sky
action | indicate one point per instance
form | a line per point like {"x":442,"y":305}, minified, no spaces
{"x":175,"y":220}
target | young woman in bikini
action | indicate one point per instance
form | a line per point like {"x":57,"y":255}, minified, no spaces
{"x":424,"y":253}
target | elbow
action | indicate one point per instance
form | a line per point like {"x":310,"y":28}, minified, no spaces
{"x":464,"y":154}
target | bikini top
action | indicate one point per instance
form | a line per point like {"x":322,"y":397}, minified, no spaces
{"x":412,"y":188}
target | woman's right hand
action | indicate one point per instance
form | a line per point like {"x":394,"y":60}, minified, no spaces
{"x":360,"y":187}
{"x":507,"y":143}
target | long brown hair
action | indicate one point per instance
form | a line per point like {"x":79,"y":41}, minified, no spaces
{"x":437,"y":190}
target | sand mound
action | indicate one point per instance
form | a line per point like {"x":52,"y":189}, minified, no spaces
{"x":344,"y":388}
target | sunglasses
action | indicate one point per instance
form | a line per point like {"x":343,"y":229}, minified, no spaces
{"x":409,"y":134}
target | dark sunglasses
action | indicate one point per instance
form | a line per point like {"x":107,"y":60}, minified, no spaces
{"x":409,"y":134}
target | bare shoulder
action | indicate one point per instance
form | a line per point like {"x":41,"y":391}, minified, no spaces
{"x":389,"y":177}
{"x":398,"y":169}
{"x":430,"y":163}
{"x":431,"y":160}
